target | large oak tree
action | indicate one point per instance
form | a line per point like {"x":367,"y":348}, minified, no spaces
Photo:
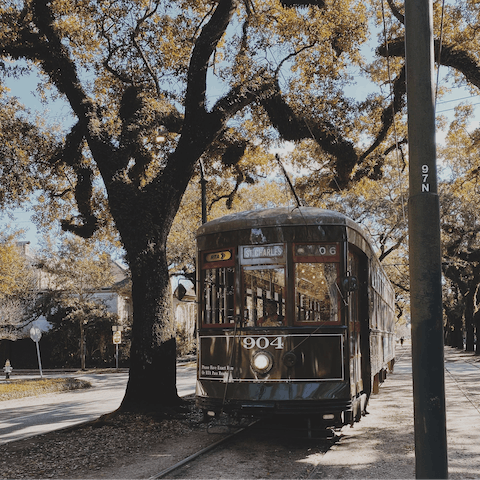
{"x":131,"y":69}
{"x":215,"y":79}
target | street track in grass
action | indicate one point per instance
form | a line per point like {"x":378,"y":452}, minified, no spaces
{"x":201,"y":452}
{"x":250,"y":446}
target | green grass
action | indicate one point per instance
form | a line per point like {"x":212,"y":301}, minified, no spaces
{"x":28,"y":388}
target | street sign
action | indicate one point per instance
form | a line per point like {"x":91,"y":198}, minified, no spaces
{"x":35,"y":334}
{"x":117,"y":337}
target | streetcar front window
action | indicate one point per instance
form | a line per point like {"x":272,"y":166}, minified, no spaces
{"x":316,"y":292}
{"x":264,"y":296}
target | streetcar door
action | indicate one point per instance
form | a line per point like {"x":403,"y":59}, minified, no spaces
{"x":356,"y":382}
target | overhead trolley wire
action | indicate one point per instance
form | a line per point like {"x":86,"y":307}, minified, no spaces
{"x":439,"y":52}
{"x":395,"y":133}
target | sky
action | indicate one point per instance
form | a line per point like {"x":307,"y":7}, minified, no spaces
{"x":24,"y":89}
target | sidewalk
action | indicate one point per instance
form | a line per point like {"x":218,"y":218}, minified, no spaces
{"x":29,"y":416}
{"x":382,"y":444}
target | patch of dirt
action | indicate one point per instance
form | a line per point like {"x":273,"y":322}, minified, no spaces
{"x":141,"y":446}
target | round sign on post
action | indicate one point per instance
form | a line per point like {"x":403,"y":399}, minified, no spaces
{"x":35,"y":334}
{"x":117,"y":339}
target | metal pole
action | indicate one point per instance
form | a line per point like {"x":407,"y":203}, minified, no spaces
{"x":39,"y":360}
{"x":290,"y":184}
{"x":116,"y":356}
{"x":424,"y":246}
{"x":203,"y":184}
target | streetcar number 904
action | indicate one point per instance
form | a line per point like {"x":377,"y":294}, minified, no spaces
{"x":262,"y":343}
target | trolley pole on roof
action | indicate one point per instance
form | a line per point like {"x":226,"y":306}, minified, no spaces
{"x":424,"y":247}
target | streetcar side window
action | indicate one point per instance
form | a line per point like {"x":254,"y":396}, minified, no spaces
{"x":316,"y":292}
{"x":264,"y":296}
{"x":217,"y":288}
{"x":218,"y":295}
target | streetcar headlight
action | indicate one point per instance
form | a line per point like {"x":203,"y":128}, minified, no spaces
{"x":262,"y":362}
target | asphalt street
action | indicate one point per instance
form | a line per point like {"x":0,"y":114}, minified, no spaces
{"x":30,"y":416}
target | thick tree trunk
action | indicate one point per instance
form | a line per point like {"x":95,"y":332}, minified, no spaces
{"x":454,"y":324}
{"x":144,"y":221}
{"x":476,"y":321}
{"x":469,"y":325}
{"x":83,"y":354}
{"x":152,"y":381}
{"x":457,"y":336}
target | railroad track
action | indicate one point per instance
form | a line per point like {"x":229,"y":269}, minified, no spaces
{"x":272,"y":435}
{"x":201,"y":452}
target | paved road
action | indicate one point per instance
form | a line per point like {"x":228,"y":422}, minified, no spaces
{"x":30,"y":416}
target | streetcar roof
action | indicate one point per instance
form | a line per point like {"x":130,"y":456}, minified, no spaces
{"x":280,"y":216}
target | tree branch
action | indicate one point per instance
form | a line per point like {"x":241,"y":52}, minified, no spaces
{"x":83,"y":197}
{"x":295,"y":128}
{"x":396,"y":12}
{"x":106,"y":63}
{"x":451,"y":56}
{"x":388,"y":114}
{"x":195,"y":101}
{"x":385,"y":253}
{"x":240,"y":96}
{"x":288,"y":57}
{"x":71,"y":151}
{"x":56,"y":62}
{"x":230,"y":197}
{"x":146,"y":16}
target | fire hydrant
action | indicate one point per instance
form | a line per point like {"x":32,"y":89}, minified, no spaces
{"x":7,"y":369}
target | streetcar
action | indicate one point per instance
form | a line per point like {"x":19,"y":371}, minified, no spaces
{"x":295,"y":315}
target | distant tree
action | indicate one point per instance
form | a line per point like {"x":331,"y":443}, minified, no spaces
{"x":75,"y":271}
{"x":460,"y":196}
{"x":18,"y":288}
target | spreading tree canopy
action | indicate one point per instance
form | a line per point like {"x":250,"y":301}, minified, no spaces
{"x":218,"y":81}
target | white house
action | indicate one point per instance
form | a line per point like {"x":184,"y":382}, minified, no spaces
{"x":116,"y":297}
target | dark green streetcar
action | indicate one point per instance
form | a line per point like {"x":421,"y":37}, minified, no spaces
{"x":295,"y":315}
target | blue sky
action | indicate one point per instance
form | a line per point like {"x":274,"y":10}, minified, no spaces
{"x":24,"y":89}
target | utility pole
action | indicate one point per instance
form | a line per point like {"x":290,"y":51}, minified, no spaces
{"x":424,"y":247}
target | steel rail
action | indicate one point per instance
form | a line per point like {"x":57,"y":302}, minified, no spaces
{"x":199,"y":453}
